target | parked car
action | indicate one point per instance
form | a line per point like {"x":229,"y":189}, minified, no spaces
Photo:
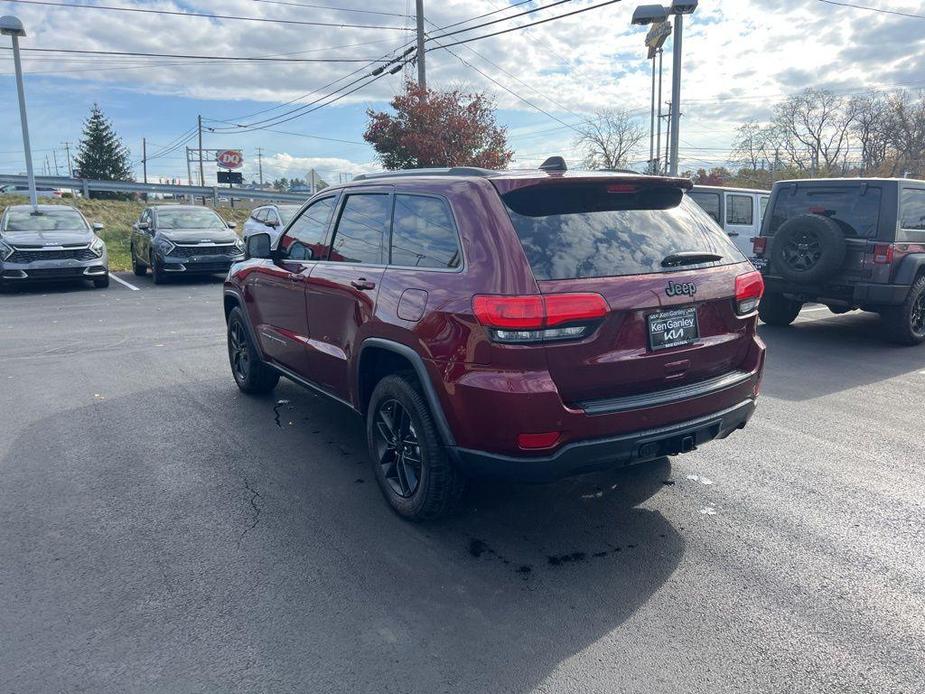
{"x":855,"y":243}
{"x":40,"y":192}
{"x":739,"y":211}
{"x":50,"y":242}
{"x":174,"y":239}
{"x":269,"y":219}
{"x":532,"y":325}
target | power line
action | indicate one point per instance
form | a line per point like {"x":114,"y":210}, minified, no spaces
{"x":503,"y":19}
{"x":329,"y":7}
{"x":525,"y":26}
{"x":874,"y":9}
{"x":196,"y":57}
{"x":487,"y":14}
{"x":176,"y":13}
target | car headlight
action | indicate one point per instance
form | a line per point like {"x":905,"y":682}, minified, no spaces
{"x":164,"y":246}
{"x":239,"y":247}
{"x":98,"y":246}
{"x":5,"y":251}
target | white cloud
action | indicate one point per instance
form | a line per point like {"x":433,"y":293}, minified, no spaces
{"x":740,"y":56}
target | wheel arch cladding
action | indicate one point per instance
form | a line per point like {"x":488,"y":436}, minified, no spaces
{"x":910,"y":268}
{"x":378,"y":358}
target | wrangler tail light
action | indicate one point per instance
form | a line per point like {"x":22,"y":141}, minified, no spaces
{"x":883,"y":253}
{"x":539,"y":318}
{"x":749,"y":289}
{"x":759,"y":245}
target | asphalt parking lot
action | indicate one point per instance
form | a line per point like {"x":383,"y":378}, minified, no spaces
{"x":160,"y":531}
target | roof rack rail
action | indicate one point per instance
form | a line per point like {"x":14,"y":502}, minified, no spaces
{"x":450,"y":171}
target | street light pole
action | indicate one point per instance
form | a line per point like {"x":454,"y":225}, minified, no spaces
{"x":676,"y":92}
{"x":12,"y":27}
{"x":652,"y":121}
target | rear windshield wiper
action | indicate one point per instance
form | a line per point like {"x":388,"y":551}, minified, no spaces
{"x":689,"y":258}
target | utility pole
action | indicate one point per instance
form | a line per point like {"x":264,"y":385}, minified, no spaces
{"x":419,"y":11}
{"x":54,"y":156}
{"x":652,"y":123}
{"x":668,"y":135}
{"x":189,"y":171}
{"x":676,"y":93}
{"x":144,"y":162}
{"x":260,"y":165}
{"x":202,"y":176}
{"x":658,"y":137}
{"x":67,"y":149}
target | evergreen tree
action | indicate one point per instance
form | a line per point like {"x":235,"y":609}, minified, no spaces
{"x":101,"y":155}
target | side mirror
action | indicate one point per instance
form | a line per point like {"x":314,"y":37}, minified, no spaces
{"x":232,"y":225}
{"x":258,"y":246}
{"x":98,"y":227}
{"x":143,"y":226}
{"x":272,"y":224}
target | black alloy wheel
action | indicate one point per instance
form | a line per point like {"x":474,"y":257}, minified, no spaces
{"x":802,"y":251}
{"x":398,"y":450}
{"x":238,"y":351}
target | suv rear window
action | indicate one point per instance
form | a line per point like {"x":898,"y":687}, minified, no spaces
{"x":856,"y":214}
{"x":570,"y":232}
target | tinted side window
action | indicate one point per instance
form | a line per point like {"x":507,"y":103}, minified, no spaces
{"x":762,"y":207}
{"x":260,"y":214}
{"x":912,"y":209}
{"x":740,"y":209}
{"x":304,"y":240}
{"x":709,"y":202}
{"x":361,"y":229}
{"x":423,"y":233}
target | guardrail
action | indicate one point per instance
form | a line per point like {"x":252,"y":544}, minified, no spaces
{"x":85,"y":185}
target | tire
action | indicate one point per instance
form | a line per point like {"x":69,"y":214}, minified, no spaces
{"x":905,"y":324}
{"x":251,"y":374}
{"x":156,"y":274}
{"x":140,"y":269}
{"x":776,"y":309}
{"x":399,"y":424}
{"x":102,"y":282}
{"x":808,"y":249}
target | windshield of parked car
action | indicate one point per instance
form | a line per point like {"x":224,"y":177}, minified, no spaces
{"x":855,"y":208}
{"x":189,"y":218}
{"x":287,"y":212}
{"x":26,"y":219}
{"x":571,"y":233}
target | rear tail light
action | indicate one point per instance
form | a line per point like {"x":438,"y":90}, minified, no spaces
{"x":538,"y":318}
{"x":760,"y":245}
{"x":883,"y":253}
{"x":749,"y":289}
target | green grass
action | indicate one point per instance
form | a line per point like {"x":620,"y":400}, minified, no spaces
{"x":117,"y":216}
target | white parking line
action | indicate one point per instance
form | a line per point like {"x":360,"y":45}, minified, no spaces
{"x":123,"y":282}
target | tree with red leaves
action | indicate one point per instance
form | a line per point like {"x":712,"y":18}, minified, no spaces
{"x":432,"y":128}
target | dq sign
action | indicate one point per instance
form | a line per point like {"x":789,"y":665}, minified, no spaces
{"x":230,"y":159}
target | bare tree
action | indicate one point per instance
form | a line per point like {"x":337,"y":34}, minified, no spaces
{"x":870,"y":130}
{"x":815,"y":129}
{"x":905,"y":132}
{"x":609,"y":138}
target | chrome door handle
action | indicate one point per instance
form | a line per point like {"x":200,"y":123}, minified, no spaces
{"x":295,"y":276}
{"x":362,"y":284}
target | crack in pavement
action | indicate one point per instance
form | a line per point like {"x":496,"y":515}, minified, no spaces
{"x":276,"y":407}
{"x":253,"y":502}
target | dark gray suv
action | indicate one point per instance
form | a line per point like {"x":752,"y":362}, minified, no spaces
{"x":848,"y":243}
{"x":183,"y":239}
{"x":50,"y":242}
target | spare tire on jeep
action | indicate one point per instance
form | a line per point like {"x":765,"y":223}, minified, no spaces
{"x":808,"y":249}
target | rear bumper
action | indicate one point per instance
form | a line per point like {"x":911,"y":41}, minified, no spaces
{"x":857,"y":293}
{"x":598,"y":454}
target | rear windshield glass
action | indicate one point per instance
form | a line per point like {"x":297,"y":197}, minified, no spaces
{"x":24,"y":219}
{"x":855,"y":213}
{"x":569,"y":233}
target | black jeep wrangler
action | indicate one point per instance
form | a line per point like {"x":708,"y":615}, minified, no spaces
{"x":848,"y":243}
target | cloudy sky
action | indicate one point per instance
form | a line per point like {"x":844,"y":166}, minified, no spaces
{"x":740,"y":57}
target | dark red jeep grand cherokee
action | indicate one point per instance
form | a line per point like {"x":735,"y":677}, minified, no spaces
{"x":529,"y":324}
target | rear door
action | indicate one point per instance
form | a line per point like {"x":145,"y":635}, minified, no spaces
{"x":342,"y":291}
{"x":669,"y":322}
